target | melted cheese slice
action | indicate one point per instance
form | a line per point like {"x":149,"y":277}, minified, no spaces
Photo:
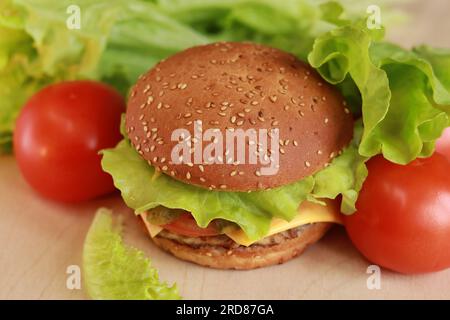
{"x":308,"y":213}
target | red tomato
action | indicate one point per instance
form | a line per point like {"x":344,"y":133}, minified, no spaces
{"x":185,"y":225}
{"x":403,"y":215}
{"x":58,"y":135}
{"x":443,"y":144}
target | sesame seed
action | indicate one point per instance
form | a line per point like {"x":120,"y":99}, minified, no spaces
{"x":202,"y":169}
{"x":229,"y":253}
{"x":332,"y":155}
{"x":150,"y":100}
{"x":223,"y":186}
{"x":233,"y":119}
{"x":282,"y":151}
{"x":141,"y":117}
{"x":286,"y":107}
{"x":257,"y":173}
{"x":324,"y":98}
{"x":326,"y":120}
{"x":254,"y":103}
{"x":247,"y":110}
{"x":240,"y":122}
{"x":233,"y":173}
{"x":295,"y":143}
{"x":142,"y":106}
{"x":301,"y":113}
{"x":188,"y":175}
{"x":273,"y":98}
{"x":164,"y":168}
{"x":346,"y":110}
{"x":307,"y":164}
{"x":275,"y":123}
{"x":159,"y":106}
{"x":172,"y":173}
{"x":319,"y":152}
{"x":241,"y":173}
{"x":187,"y":115}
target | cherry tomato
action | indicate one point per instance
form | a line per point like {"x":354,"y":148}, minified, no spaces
{"x":403,"y":215}
{"x":185,"y":225}
{"x":58,"y":135}
{"x":443,"y":144}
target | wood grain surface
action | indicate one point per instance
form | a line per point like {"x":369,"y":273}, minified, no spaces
{"x":40,"y":239}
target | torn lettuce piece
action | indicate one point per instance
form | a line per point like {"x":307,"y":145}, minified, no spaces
{"x":114,"y":271}
{"x":405,"y":94}
{"x":253,"y":211}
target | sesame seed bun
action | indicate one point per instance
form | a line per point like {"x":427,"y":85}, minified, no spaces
{"x":220,"y":256}
{"x":238,"y":86}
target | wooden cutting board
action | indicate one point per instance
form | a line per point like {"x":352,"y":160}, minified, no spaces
{"x":41,"y":239}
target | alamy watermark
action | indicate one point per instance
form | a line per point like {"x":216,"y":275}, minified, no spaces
{"x":73,"y":21}
{"x":73,"y":281}
{"x":234,"y":146}
{"x":374,"y":18}
{"x":374,"y":280}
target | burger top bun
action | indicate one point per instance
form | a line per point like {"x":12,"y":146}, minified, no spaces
{"x":230,"y":86}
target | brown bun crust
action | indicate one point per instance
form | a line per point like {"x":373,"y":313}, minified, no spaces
{"x":240,"y":86}
{"x":243,"y":258}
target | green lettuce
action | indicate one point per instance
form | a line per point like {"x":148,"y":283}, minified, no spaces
{"x":113,"y":270}
{"x":253,"y":211}
{"x":404,"y":95}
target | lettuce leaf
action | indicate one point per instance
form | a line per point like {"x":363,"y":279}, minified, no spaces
{"x":114,"y":271}
{"x":253,"y":211}
{"x":405,"y":95}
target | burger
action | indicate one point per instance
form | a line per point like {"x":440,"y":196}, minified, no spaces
{"x":236,"y":155}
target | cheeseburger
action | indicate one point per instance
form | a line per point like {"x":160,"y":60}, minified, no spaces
{"x":231,"y":155}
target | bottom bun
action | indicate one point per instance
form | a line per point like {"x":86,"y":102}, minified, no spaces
{"x":260,"y":254}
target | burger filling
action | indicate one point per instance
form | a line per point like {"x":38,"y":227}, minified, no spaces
{"x":171,"y":208}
